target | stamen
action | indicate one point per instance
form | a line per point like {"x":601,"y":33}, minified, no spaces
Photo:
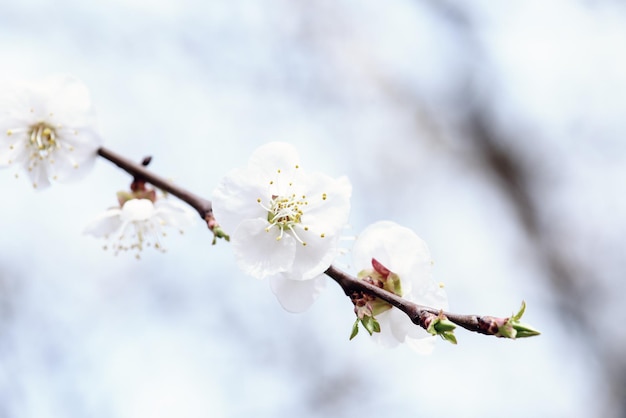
{"x":296,"y":235}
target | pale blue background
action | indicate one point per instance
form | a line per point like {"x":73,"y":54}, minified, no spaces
{"x":379,"y":91}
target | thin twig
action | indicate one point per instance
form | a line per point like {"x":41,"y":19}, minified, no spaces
{"x":201,"y":205}
{"x":414,"y":311}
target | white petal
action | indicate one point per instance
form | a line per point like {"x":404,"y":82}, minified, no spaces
{"x":39,"y":175}
{"x":67,"y":99}
{"x":105,"y":224}
{"x":137,"y":210}
{"x":385,"y":337}
{"x":13,"y":152}
{"x":313,"y":259}
{"x":330,"y":214}
{"x":274,"y":156}
{"x":235,"y":199}
{"x":423,"y":346}
{"x":429,"y":294}
{"x":259,"y":253}
{"x":397,"y":248}
{"x":175,"y":213}
{"x":296,"y":295}
{"x":77,"y":155}
{"x":402,"y":328}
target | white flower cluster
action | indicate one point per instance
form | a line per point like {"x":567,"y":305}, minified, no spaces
{"x":285,"y":224}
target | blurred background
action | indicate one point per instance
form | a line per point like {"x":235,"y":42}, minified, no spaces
{"x":495,"y":130}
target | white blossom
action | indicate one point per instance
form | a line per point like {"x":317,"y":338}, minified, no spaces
{"x":284,"y":222}
{"x":139,"y":223}
{"x":48,"y":128}
{"x":400,"y":250}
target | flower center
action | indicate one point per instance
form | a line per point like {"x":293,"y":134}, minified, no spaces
{"x":285,"y":213}
{"x":44,"y":138}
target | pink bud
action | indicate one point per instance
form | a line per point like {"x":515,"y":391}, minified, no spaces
{"x":380,"y":269}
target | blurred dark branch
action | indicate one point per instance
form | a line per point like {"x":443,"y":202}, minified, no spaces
{"x":574,"y":282}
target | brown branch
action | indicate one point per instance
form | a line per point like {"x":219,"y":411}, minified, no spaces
{"x":415,"y":312}
{"x":419,"y":314}
{"x":201,"y":205}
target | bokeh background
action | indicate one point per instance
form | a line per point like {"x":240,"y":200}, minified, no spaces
{"x":495,"y":130}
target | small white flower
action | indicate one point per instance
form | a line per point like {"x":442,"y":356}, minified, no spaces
{"x":284,"y":222}
{"x":48,"y":128}
{"x":139,"y":223}
{"x":400,"y":250}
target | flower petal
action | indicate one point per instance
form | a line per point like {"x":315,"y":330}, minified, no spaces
{"x":331,"y":213}
{"x":105,"y":224}
{"x":235,"y":199}
{"x":423,"y":346}
{"x":397,"y":248}
{"x":314,"y":258}
{"x":258,"y":252}
{"x":274,"y":156}
{"x":38,"y":174}
{"x":137,"y":210}
{"x":297,"y":295}
{"x":385,"y":337}
{"x":174,"y":213}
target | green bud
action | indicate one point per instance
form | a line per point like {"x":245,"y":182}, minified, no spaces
{"x":370,"y":324}
{"x":355,"y":329}
{"x":513,"y":328}
{"x":449,"y":336}
{"x":218,"y":232}
{"x":442,"y":326}
{"x":524,"y":330}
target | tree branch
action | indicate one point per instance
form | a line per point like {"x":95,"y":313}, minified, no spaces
{"x":419,"y":314}
{"x":201,"y":205}
{"x":415,"y":312}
